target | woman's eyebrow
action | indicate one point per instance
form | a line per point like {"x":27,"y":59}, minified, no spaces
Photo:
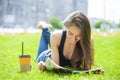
{"x":70,"y":32}
{"x":78,"y":34}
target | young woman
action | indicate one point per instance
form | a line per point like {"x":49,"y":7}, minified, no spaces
{"x":72,"y":47}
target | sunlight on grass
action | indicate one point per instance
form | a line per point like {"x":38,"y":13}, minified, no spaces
{"x":106,"y":46}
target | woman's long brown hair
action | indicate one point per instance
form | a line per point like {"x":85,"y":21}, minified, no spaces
{"x":82,"y":57}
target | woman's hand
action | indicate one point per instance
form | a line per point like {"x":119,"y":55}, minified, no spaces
{"x":41,"y":65}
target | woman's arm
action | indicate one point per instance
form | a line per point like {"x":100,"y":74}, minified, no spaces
{"x":55,"y":42}
{"x":54,"y":47}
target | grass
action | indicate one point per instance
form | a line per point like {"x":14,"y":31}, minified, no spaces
{"x":107,"y":54}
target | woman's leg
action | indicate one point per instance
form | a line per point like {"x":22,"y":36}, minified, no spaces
{"x":44,"y":41}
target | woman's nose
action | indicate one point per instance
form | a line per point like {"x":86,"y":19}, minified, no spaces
{"x":73,"y":39}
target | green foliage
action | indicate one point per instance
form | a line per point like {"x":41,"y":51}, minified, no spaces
{"x":108,"y":23}
{"x":98,"y":24}
{"x":56,"y":23}
{"x":118,"y":25}
{"x":107,"y":54}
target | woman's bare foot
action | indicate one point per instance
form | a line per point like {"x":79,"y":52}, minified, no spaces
{"x":42,"y":25}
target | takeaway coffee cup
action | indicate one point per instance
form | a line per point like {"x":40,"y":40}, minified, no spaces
{"x":25,"y":63}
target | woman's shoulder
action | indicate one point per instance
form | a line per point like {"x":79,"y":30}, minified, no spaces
{"x":57,"y":33}
{"x":56,"y":36}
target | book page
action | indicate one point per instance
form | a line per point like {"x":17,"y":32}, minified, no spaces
{"x":50,"y":65}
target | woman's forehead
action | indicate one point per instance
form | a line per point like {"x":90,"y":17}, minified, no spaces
{"x":74,"y":30}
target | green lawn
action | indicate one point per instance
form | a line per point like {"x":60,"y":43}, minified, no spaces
{"x":107,"y":54}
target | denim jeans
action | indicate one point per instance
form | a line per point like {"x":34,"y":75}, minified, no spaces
{"x":43,"y":52}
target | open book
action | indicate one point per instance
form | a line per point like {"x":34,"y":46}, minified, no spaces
{"x":50,"y":65}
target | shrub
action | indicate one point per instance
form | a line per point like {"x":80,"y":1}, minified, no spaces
{"x":56,"y":23}
{"x":118,"y":25}
{"x":108,"y":23}
{"x":98,"y":24}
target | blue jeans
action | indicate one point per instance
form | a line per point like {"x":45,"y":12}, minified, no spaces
{"x":43,"y":52}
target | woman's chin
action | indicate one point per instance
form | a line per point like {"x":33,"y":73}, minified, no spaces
{"x":72,"y":43}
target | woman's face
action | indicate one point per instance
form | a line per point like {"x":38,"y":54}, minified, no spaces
{"x":73,"y":34}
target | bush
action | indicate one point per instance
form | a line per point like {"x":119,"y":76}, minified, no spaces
{"x":108,"y":23}
{"x":98,"y":24}
{"x":56,"y":23}
{"x":118,"y":25}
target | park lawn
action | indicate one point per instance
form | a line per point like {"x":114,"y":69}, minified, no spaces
{"x":107,"y":54}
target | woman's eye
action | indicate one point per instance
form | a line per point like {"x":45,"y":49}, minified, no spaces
{"x":70,"y":33}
